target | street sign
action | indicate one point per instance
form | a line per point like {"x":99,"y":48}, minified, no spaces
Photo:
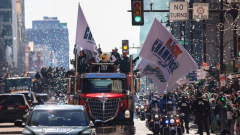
{"x":178,"y":11}
{"x":201,"y":74}
{"x":222,"y":80}
{"x":205,"y":66}
{"x":182,"y":42}
{"x":192,"y":76}
{"x":200,"y":10}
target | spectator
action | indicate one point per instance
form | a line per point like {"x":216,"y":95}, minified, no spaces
{"x":82,"y":63}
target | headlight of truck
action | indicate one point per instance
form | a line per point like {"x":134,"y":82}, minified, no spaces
{"x":142,"y":106}
{"x":171,"y":121}
{"x":127,"y":114}
{"x":156,"y":116}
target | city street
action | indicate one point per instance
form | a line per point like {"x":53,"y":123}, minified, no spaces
{"x":8,"y":128}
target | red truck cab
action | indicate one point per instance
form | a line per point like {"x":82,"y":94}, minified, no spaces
{"x":107,"y":99}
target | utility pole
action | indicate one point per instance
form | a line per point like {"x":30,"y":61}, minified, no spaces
{"x":234,"y":13}
{"x":221,"y":38}
{"x":204,"y":39}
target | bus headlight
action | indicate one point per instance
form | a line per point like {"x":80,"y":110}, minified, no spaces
{"x":127,"y":114}
{"x":171,"y":121}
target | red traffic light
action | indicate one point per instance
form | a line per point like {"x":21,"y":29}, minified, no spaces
{"x":136,"y":4}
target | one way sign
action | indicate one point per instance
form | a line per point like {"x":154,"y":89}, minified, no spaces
{"x":178,"y":11}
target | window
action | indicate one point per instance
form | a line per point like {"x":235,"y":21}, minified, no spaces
{"x":7,"y":30}
{"x":113,"y":85}
{"x":58,"y":118}
{"x":12,"y":100}
{"x":6,"y":15}
{"x":5,"y":3}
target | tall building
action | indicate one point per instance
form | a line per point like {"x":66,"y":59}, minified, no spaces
{"x":12,"y":38}
{"x":50,"y":32}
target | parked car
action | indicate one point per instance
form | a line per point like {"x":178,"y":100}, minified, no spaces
{"x":30,"y":96}
{"x":13,"y":107}
{"x":58,"y":119}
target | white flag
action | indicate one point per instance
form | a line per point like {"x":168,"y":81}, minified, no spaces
{"x":84,"y":37}
{"x":167,"y":53}
{"x":149,"y":69}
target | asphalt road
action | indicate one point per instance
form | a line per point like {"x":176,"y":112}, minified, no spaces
{"x":142,"y":130}
{"x":8,"y":128}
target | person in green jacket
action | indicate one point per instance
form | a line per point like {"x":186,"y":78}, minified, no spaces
{"x":82,"y":63}
{"x":124,"y":63}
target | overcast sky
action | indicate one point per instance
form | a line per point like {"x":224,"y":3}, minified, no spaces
{"x":109,"y":20}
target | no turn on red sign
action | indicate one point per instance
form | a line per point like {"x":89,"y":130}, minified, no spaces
{"x":205,"y":66}
{"x":222,"y":80}
{"x":200,"y":10}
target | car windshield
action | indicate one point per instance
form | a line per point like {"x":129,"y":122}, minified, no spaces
{"x":26,"y":96}
{"x":109,"y":85}
{"x":43,"y":97}
{"x":58,"y":118}
{"x":11,"y":100}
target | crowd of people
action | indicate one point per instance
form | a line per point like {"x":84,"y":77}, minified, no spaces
{"x":113,"y":57}
{"x":211,"y":107}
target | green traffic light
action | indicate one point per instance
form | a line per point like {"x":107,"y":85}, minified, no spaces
{"x":238,"y":54}
{"x":137,"y":18}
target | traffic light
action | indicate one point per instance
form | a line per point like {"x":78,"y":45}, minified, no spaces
{"x":137,"y":12}
{"x":238,"y":42}
{"x":125,"y":47}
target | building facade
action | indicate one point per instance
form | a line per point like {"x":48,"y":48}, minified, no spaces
{"x":13,"y":35}
{"x":50,"y":32}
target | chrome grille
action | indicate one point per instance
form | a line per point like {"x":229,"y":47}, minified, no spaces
{"x":103,"y":110}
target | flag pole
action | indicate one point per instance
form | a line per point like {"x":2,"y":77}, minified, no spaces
{"x":76,"y":67}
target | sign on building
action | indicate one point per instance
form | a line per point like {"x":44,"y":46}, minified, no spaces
{"x":178,"y":11}
{"x":200,"y":10}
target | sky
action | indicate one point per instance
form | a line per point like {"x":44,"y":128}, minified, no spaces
{"x":109,"y":21}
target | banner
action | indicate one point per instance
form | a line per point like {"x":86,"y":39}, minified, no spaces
{"x":150,"y":69}
{"x":84,"y":37}
{"x":161,"y":48}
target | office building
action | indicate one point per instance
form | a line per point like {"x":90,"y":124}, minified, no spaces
{"x":13,"y":35}
{"x":50,"y":32}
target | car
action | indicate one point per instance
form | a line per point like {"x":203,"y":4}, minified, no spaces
{"x":13,"y":107}
{"x":45,"y":97}
{"x":58,"y":119}
{"x":29,"y":97}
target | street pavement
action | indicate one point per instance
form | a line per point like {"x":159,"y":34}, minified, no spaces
{"x":142,"y":130}
{"x":8,"y":128}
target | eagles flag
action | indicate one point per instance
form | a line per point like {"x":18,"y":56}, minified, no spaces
{"x":84,"y":37}
{"x":161,"y":48}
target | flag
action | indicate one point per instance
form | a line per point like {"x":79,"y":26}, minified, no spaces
{"x":84,"y":37}
{"x":161,"y":48}
{"x":150,"y":69}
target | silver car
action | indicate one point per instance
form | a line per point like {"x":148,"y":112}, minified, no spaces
{"x":58,"y":119}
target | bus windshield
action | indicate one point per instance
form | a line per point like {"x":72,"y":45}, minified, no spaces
{"x":103,"y":85}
